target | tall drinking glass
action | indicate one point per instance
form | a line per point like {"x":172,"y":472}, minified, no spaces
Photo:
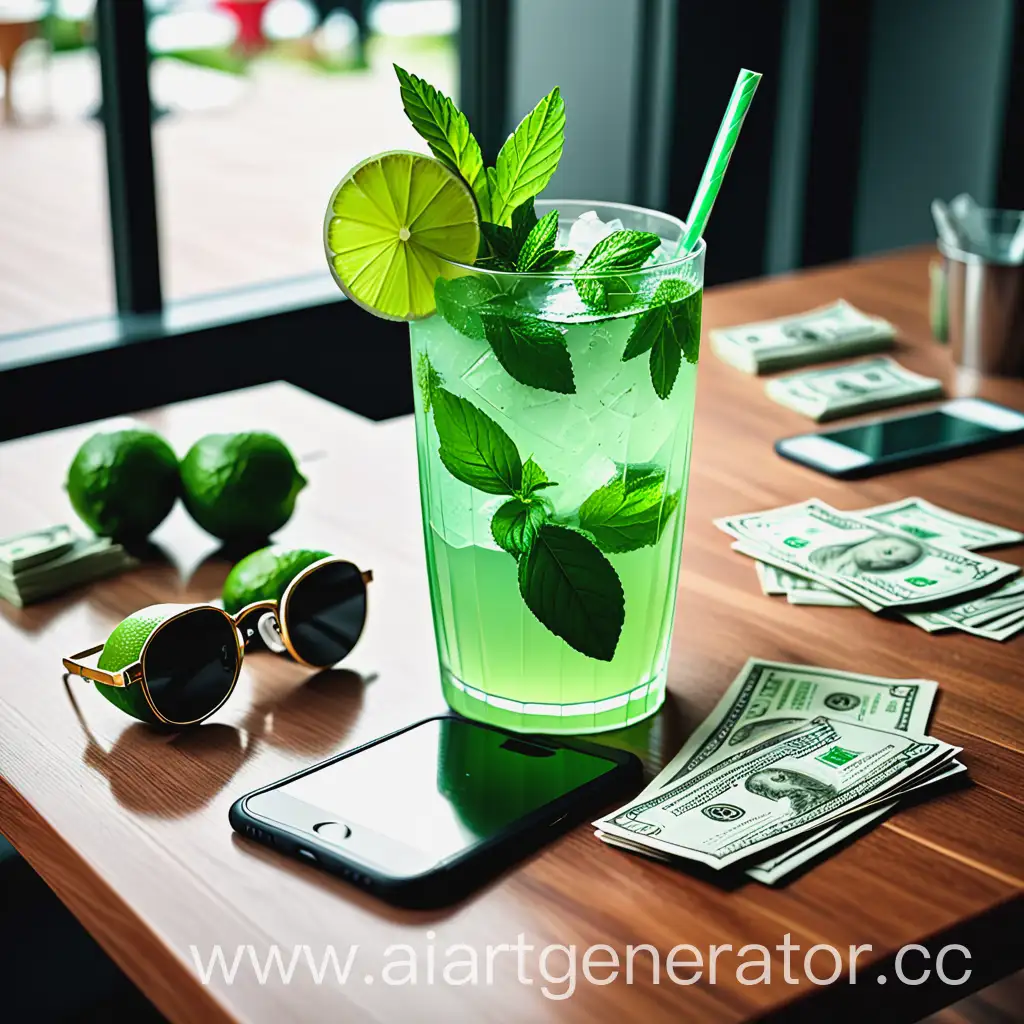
{"x":554,"y":417}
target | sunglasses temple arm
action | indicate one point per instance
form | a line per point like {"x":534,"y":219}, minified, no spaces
{"x":74,"y":667}
{"x":367,"y":575}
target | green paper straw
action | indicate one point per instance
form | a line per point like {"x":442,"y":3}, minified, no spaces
{"x":718,"y":160}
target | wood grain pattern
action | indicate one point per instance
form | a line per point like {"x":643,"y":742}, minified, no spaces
{"x":129,"y":826}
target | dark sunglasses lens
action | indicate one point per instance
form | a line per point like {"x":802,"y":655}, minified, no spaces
{"x":190,"y":665}
{"x":326,"y":612}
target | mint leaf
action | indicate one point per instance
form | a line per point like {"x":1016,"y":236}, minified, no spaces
{"x":528,"y":158}
{"x":592,"y":291}
{"x":621,"y":250}
{"x":534,"y":478}
{"x":474,"y":449}
{"x":460,"y":302}
{"x":446,"y":131}
{"x":524,"y":219}
{"x":573,"y":590}
{"x":514,"y":526}
{"x":686,"y":320}
{"x":501,"y":247}
{"x":669,"y":329}
{"x":428,"y":379}
{"x":666,"y":356}
{"x":532,"y":351}
{"x":552,"y":260}
{"x":630,"y":511}
{"x":637,"y":474}
{"x":644,"y":334}
{"x":539,"y":242}
{"x":682,"y":301}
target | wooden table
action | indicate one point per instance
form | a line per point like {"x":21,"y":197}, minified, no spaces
{"x":129,"y":826}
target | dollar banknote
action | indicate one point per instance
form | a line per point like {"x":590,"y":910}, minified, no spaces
{"x":743,"y":802}
{"x":997,"y":615}
{"x":771,"y":696}
{"x":769,"y":699}
{"x":922,"y":519}
{"x":914,"y":516}
{"x":879,"y":567}
{"x":993,"y":612}
{"x":828,"y":393}
{"x":818,"y":336}
{"x":25,"y":550}
{"x":40,"y":565}
{"x":812,"y":846}
{"x":776,"y":582}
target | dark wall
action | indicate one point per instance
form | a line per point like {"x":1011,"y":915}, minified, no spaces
{"x":867,"y":111}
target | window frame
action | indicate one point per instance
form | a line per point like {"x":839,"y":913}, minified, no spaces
{"x":151,"y":352}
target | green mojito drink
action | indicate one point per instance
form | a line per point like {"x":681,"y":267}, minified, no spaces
{"x":553,"y":482}
{"x":554,"y":348}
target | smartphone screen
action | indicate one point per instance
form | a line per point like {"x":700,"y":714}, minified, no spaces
{"x":909,"y":434}
{"x":430,"y":793}
{"x":963,"y":424}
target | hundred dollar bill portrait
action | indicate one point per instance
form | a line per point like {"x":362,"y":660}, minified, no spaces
{"x":804,"y":792}
{"x":883,"y":553}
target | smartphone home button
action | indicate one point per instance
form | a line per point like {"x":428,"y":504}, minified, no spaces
{"x":332,"y":831}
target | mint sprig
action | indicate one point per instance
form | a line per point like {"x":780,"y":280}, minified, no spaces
{"x":566,"y":582}
{"x":532,"y":350}
{"x":538,"y":253}
{"x":446,"y":131}
{"x":670,"y":330}
{"x":573,"y":590}
{"x":474,"y":449}
{"x":528,"y":158}
{"x":629,"y":512}
{"x":619,"y":251}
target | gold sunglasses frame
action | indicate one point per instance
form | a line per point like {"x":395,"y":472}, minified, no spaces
{"x":135,"y":673}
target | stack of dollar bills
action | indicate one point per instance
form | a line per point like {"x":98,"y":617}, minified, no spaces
{"x":832,"y":332}
{"x":42,"y":563}
{"x":827,"y":393}
{"x":792,"y":762}
{"x":911,"y":558}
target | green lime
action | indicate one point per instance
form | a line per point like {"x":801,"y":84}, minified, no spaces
{"x":240,"y":487}
{"x":123,"y":648}
{"x":264,"y":575}
{"x":391,"y":225}
{"x":123,"y":483}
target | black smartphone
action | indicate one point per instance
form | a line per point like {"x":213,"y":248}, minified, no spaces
{"x":424,"y":815}
{"x":954,"y":428}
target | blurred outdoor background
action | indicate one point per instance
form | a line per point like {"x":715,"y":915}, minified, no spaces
{"x":256,"y":108}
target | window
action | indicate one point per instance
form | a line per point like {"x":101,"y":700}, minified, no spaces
{"x":54,"y":226}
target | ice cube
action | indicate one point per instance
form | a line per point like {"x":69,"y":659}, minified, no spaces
{"x":588,"y":229}
{"x":460,"y":514}
{"x":451,"y":354}
{"x":578,"y":482}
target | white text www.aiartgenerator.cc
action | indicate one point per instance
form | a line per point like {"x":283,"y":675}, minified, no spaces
{"x":558,"y":969}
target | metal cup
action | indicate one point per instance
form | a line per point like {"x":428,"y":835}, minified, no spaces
{"x":985,"y":309}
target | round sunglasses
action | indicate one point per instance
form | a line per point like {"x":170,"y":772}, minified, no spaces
{"x":191,"y":659}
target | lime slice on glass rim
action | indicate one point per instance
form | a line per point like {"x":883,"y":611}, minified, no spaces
{"x":392,"y":225}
